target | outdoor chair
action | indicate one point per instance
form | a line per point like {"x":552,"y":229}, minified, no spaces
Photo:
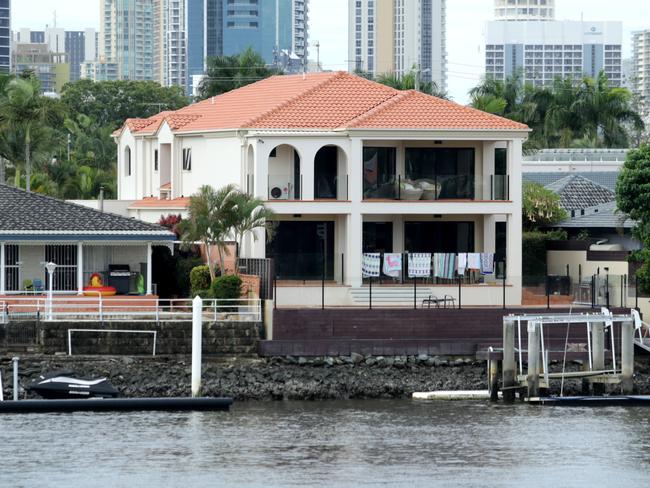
{"x":38,"y":286}
{"x":28,"y":286}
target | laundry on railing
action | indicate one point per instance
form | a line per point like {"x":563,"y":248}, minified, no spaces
{"x":487,"y":263}
{"x":371,"y":264}
{"x":462,"y":263}
{"x":393,"y":264}
{"x":419,"y":265}
{"x":444,"y":265}
{"x":474,"y":261}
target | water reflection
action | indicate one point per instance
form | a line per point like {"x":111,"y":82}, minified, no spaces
{"x":397,"y":443}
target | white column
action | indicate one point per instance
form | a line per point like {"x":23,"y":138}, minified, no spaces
{"x":307,"y":156}
{"x":353,"y":250}
{"x":488,"y":169}
{"x":514,"y":224}
{"x":80,"y":268}
{"x":261,"y":174}
{"x":489,"y":233}
{"x":2,"y":268}
{"x":149,"y":271}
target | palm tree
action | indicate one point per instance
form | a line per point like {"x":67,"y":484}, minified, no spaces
{"x":410,"y":81}
{"x":225,"y":73}
{"x":210,"y":221}
{"x":23,"y":108}
{"x":250,"y":214}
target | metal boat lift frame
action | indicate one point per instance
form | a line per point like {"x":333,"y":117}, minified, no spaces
{"x":596,"y":374}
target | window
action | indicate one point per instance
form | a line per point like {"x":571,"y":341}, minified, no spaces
{"x":127,"y":161}
{"x":379,"y":172}
{"x":155,"y":160}
{"x":187,"y":159}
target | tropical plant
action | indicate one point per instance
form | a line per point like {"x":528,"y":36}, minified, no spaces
{"x":249,"y":214}
{"x":569,"y":113}
{"x":226,"y":73}
{"x":411,"y":81}
{"x":210,"y":221}
{"x":23,"y":109}
{"x":541,"y":207}
{"x":226,"y":287}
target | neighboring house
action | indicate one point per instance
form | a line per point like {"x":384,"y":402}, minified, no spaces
{"x":338,"y":158}
{"x":36,"y":229}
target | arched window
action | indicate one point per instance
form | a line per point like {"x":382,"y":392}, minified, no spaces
{"x":127,"y":161}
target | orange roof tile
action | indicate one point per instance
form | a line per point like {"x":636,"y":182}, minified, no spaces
{"x":152,"y":202}
{"x":325,"y":101}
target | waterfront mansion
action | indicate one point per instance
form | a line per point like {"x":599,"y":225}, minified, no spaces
{"x":351,"y":168}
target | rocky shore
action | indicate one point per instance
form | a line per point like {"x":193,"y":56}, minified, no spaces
{"x":287,"y":378}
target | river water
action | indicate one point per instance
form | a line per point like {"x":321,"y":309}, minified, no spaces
{"x":333,"y":444}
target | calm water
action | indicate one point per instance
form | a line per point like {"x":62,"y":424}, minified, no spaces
{"x":334,"y":444}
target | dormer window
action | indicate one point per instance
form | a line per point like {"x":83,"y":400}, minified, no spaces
{"x":187,"y":159}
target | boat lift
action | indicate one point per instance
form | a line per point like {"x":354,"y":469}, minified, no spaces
{"x":537,"y":374}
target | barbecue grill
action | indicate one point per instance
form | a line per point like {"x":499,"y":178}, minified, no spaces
{"x":119,"y":277}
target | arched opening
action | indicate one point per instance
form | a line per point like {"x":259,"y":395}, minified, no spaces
{"x":284,"y":173}
{"x":330,"y":173}
{"x":127,"y":161}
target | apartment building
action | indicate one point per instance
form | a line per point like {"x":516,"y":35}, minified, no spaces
{"x":5,"y":36}
{"x":640,"y":76}
{"x":524,"y":9}
{"x":399,"y":36}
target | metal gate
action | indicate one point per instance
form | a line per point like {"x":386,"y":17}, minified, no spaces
{"x":262,"y":268}
{"x":65,"y":258}
{"x":12,"y":267}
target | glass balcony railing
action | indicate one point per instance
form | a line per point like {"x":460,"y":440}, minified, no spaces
{"x":284,"y":187}
{"x":439,"y":187}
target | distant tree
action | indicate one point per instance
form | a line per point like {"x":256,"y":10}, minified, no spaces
{"x":541,"y":207}
{"x":110,"y":103}
{"x":226,"y":73}
{"x":408,"y":81}
{"x":633,"y":199}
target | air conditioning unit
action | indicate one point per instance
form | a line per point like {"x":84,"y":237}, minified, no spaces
{"x":280,"y":193}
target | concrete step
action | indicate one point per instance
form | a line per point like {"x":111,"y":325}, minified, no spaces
{"x":383,"y":294}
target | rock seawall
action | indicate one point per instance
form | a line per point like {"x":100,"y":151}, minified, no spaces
{"x":350,"y":377}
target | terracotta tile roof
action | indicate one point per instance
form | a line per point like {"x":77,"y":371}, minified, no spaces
{"x":326,"y":101}
{"x":414,"y":110}
{"x":153,"y":202}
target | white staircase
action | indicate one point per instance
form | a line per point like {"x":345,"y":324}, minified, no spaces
{"x":640,"y":332}
{"x":389,"y":295}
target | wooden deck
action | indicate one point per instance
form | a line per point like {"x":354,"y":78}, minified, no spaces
{"x":385,"y":332}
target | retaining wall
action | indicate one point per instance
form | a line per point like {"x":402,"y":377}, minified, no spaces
{"x":222,"y":338}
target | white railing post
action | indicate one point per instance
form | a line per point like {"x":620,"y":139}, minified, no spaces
{"x":157,"y":310}
{"x":214,"y":305}
{"x":15,"y":361}
{"x":197,"y":340}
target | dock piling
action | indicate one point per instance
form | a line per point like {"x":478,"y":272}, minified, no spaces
{"x":598,"y":345}
{"x":508,"y":364}
{"x":627,"y":357}
{"x":533,"y":359}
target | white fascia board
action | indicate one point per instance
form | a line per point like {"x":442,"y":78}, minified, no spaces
{"x":448,"y":135}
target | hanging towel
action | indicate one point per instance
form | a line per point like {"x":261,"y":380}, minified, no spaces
{"x":487,"y":263}
{"x":419,"y":265}
{"x":462,"y":263}
{"x":474,"y":261}
{"x":444,"y":265}
{"x":450,"y":268}
{"x":393,"y":264}
{"x":371,"y":264}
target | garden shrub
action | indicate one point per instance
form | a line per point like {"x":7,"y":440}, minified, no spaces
{"x":200,"y":280}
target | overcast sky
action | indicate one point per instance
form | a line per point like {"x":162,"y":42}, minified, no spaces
{"x":328,"y":24}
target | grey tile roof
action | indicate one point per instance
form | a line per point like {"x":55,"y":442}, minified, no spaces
{"x":577,"y":192}
{"x":603,"y":178}
{"x":32,"y":213}
{"x":602,"y":216}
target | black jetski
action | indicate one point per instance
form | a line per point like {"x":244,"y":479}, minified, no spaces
{"x":63,"y":384}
